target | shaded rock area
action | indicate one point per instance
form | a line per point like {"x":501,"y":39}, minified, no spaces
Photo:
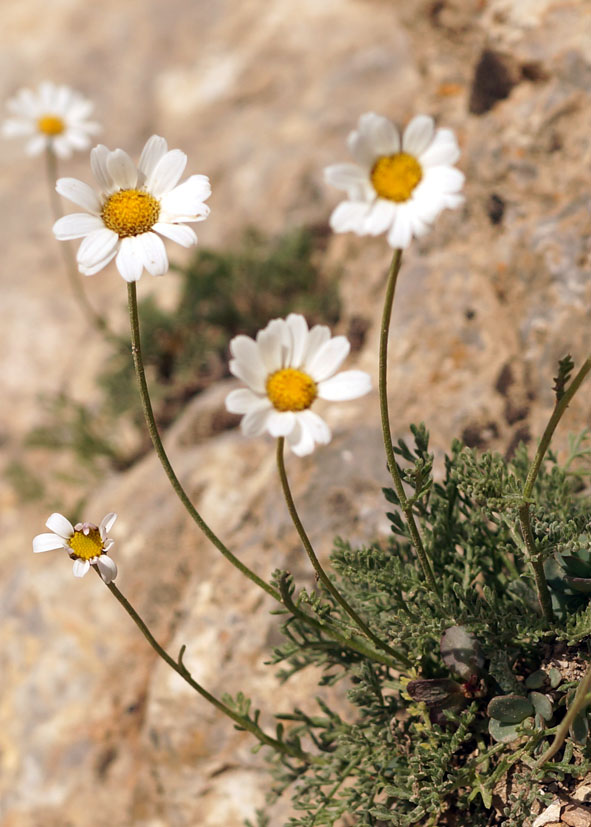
{"x":94,"y":731}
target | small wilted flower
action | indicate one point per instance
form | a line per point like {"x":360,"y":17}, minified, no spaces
{"x":286,"y":369}
{"x":133,"y":205}
{"x":396,"y":187}
{"x":53,"y":117}
{"x":86,"y":543}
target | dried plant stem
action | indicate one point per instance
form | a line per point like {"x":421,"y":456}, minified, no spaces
{"x":138,"y":362}
{"x":322,"y":576}
{"x":74,"y":277}
{"x":241,"y":721}
{"x":581,"y":699}
{"x":524,"y":509}
{"x":405,"y":505}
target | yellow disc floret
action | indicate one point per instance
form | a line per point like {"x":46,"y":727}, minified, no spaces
{"x":50,"y":125}
{"x":85,"y":546}
{"x":130,"y":212}
{"x":291,"y":390}
{"x":395,"y":176}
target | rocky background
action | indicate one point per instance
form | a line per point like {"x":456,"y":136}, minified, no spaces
{"x":94,"y":731}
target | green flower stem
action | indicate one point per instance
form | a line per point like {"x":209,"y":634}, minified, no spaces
{"x":385,"y":416}
{"x":524,"y":509}
{"x":348,"y":642}
{"x":581,"y":699}
{"x":398,"y":656}
{"x":72,"y":273}
{"x":163,"y":457}
{"x":179,"y":667}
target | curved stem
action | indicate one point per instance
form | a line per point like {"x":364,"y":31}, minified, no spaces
{"x":181,"y":669}
{"x":399,"y":656}
{"x":580,"y":700}
{"x":72,"y":273}
{"x":163,"y":457}
{"x":524,"y":509}
{"x":385,"y":417}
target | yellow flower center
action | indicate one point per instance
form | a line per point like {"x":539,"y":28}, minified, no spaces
{"x":50,"y":125}
{"x":291,"y":390}
{"x":86,"y":546}
{"x":395,"y":176}
{"x":130,"y":212}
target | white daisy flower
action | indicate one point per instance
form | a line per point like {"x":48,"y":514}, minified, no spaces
{"x":286,"y":369}
{"x":53,"y":117}
{"x":396,"y":187}
{"x":134,"y":204}
{"x":86,"y":543}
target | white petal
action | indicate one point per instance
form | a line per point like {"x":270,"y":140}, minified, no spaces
{"x":349,"y":216}
{"x":130,"y":258}
{"x":155,"y":148}
{"x":14,"y":128}
{"x":418,"y":135}
{"x":76,"y":225}
{"x":298,"y":328}
{"x":47,"y":542}
{"x":444,"y":179}
{"x":180,"y":233}
{"x":60,"y":526}
{"x":107,"y":568}
{"x":167,"y":173}
{"x":280,"y":423}
{"x":253,"y":378}
{"x":80,"y":567}
{"x":98,"y":164}
{"x":380,"y":134}
{"x":80,"y":193}
{"x":99,"y":264}
{"x":349,"y":384}
{"x":255,"y":421}
{"x":400,"y":235}
{"x":270,"y":350}
{"x":242,"y":400}
{"x":36,"y":145}
{"x":61,"y":146}
{"x":107,"y":524}
{"x":380,"y":217}
{"x":98,"y":246}
{"x":246,"y":350}
{"x":328,"y":359}
{"x":185,"y":202}
{"x":316,"y":427}
{"x":154,"y":253}
{"x":77,"y":138}
{"x":444,"y":149}
{"x":344,"y":176}
{"x":122,"y":169}
{"x":318,"y":336}
{"x":301,"y":440}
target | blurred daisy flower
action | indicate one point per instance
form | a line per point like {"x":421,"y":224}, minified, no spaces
{"x":86,"y":543}
{"x":396,"y":186}
{"x":135,"y":203}
{"x":53,"y":117}
{"x":286,"y":369}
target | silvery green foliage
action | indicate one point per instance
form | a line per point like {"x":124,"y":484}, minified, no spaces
{"x":433,"y":750}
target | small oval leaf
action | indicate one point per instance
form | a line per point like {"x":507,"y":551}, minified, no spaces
{"x":542,"y":704}
{"x":509,"y":709}
{"x":461,"y":652}
{"x":579,"y":729}
{"x":536,"y":680}
{"x":502,"y":732}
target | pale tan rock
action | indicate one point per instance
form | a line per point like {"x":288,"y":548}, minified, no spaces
{"x":550,"y":816}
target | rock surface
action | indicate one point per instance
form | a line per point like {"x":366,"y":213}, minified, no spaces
{"x":94,"y":731}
